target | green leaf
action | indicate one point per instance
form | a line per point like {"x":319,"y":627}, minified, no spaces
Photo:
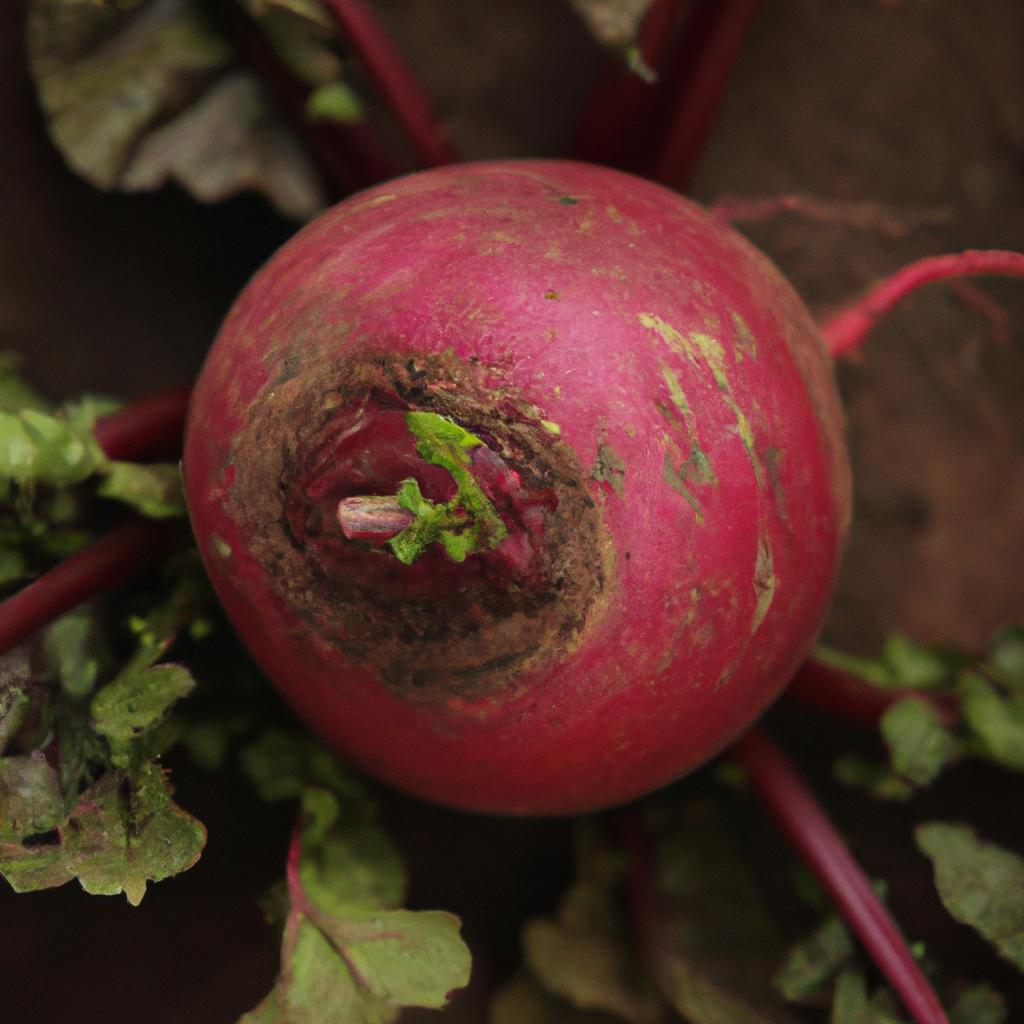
{"x":591,"y":971}
{"x":467,"y":523}
{"x":583,"y":955}
{"x":281,"y":764}
{"x":980,"y":1004}
{"x":1006,"y":659}
{"x":915,"y":666}
{"x":135,"y":703}
{"x":124,"y":831}
{"x":13,"y":565}
{"x":30,"y":796}
{"x":521,"y":1000}
{"x":903,"y":664}
{"x":348,"y":861}
{"x":997,"y":722}
{"x":919,"y":744}
{"x":72,"y":652}
{"x":37,"y":447}
{"x":441,"y":441}
{"x":15,"y":393}
{"x":851,"y":1004}
{"x":874,"y":776}
{"x":154,"y":490}
{"x":813,"y":963}
{"x":335,"y":101}
{"x":721,"y":948}
{"x":403,"y":957}
{"x":14,"y":706}
{"x":980,"y":884}
{"x":139,"y":94}
{"x":346,"y":954}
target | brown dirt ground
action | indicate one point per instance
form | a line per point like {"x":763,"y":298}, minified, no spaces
{"x":915,"y":105}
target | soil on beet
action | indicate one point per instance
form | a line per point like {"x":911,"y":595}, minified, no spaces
{"x":912,"y":107}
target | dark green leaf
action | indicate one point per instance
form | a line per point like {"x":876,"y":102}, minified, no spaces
{"x":137,"y":94}
{"x":282,"y":764}
{"x":919,"y":744}
{"x":874,"y":776}
{"x":15,"y":393}
{"x":584,"y":955}
{"x":813,"y":963}
{"x":980,"y":1004}
{"x":593,"y":971}
{"x":980,"y":884}
{"x":522,"y":1001}
{"x":721,"y":948}
{"x":13,"y":565}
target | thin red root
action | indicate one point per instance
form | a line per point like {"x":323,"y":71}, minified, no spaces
{"x":97,"y":569}
{"x":395,"y":82}
{"x":788,"y":800}
{"x":847,"y":330}
{"x":861,"y":214}
{"x":847,"y":697}
{"x":982,"y":303}
{"x":150,"y":428}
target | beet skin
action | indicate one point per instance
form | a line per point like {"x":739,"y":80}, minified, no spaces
{"x":651,"y":414}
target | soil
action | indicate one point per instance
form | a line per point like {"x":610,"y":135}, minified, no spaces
{"x":914,"y":106}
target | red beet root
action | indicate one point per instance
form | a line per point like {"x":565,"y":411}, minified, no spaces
{"x":613,"y":431}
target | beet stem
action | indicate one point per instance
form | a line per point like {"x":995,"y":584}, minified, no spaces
{"x":372,"y":517}
{"x":150,"y":428}
{"x":846,"y":696}
{"x":695,"y":87}
{"x":348,"y":156}
{"x":620,"y":97}
{"x":789,"y":801}
{"x":394,"y":80}
{"x":96,"y":569}
{"x":847,"y":330}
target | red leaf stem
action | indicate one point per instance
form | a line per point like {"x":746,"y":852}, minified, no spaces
{"x":620,"y":97}
{"x":695,"y":85}
{"x":96,"y":569}
{"x":842,"y":695}
{"x":848,"y":329}
{"x":348,"y":156}
{"x":645,"y":921}
{"x":150,"y":428}
{"x":394,"y":80}
{"x":788,"y":800}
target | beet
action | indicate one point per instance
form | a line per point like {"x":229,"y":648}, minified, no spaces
{"x":655,"y":484}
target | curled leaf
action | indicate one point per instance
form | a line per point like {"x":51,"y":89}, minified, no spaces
{"x":139,"y":94}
